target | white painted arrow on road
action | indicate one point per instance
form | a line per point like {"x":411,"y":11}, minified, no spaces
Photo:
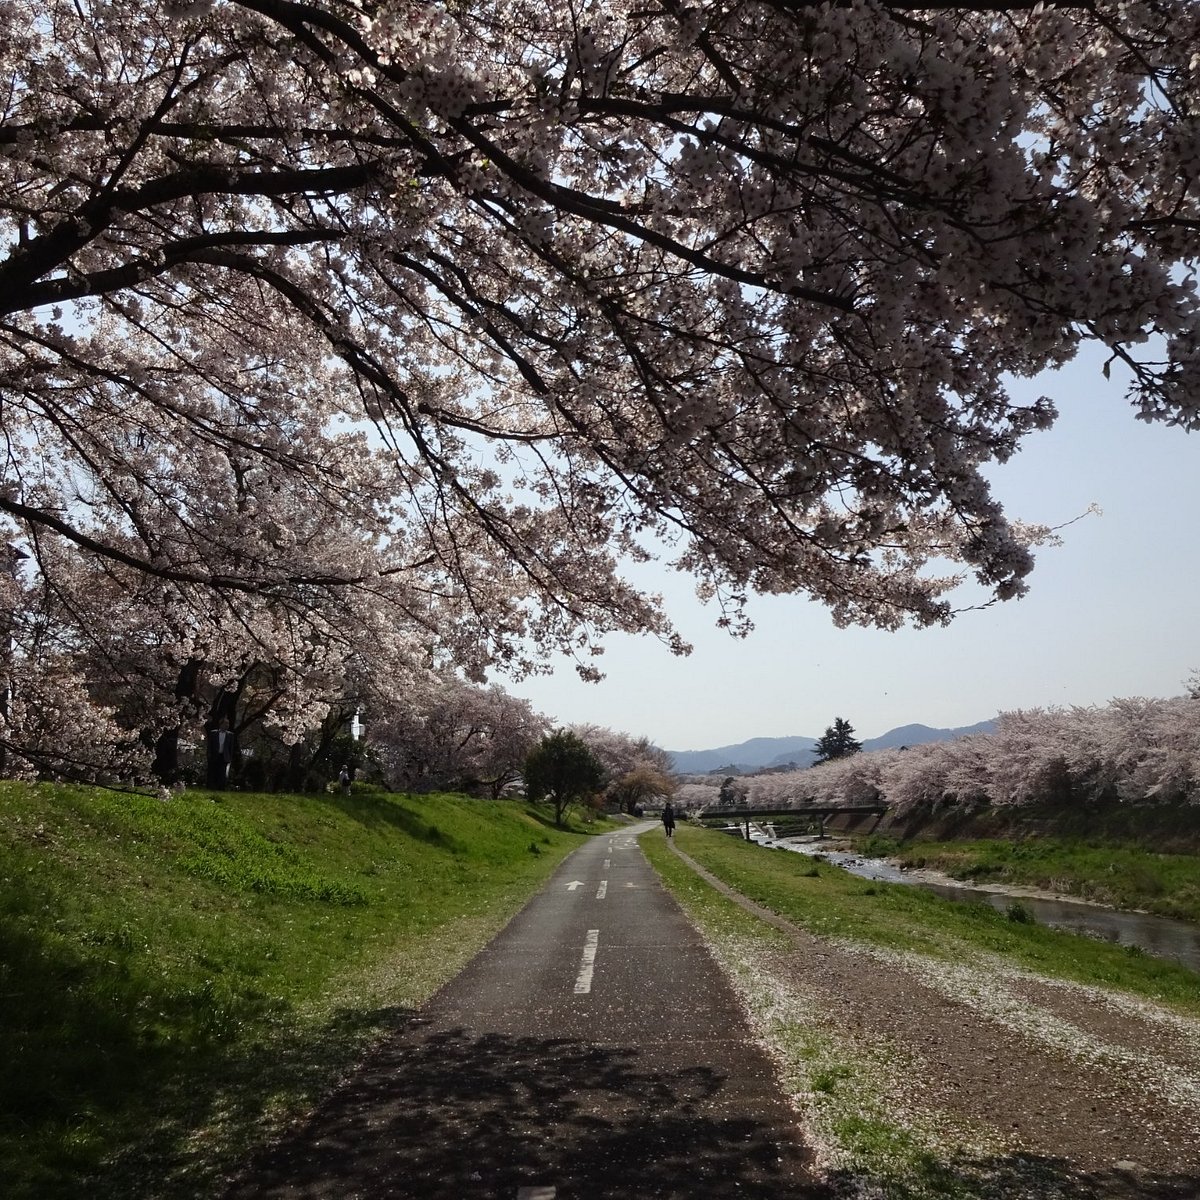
{"x":574,"y":884}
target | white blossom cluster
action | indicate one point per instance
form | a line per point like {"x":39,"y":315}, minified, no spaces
{"x":460,"y":738}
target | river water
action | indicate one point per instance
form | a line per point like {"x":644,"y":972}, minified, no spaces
{"x":1160,"y":936}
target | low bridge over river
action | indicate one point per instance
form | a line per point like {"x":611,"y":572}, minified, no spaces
{"x":818,"y":813}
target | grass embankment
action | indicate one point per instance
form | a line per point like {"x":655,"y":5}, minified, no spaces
{"x":178,"y":977}
{"x":1127,"y":877}
{"x":865,"y":1132}
{"x":830,"y":902}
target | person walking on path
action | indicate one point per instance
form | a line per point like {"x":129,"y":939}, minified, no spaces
{"x":668,"y":819}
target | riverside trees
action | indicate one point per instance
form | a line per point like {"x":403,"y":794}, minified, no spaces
{"x":636,"y":770}
{"x":457,"y":738}
{"x":1131,"y":751}
{"x":427,"y":316}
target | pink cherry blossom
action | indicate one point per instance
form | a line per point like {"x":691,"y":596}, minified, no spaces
{"x":340,"y":332}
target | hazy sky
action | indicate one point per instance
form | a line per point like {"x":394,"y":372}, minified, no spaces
{"x":1113,"y":611}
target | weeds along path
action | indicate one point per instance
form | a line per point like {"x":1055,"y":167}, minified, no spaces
{"x":922,"y":1076}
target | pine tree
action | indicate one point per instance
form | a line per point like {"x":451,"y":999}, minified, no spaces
{"x":838,"y":741}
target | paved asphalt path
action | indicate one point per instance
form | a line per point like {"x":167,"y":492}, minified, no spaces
{"x":592,"y":1050}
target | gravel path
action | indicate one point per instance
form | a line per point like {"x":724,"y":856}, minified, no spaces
{"x":1018,"y":1085}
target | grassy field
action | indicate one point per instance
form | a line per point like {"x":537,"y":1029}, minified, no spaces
{"x":1123,"y":876}
{"x":176,"y":978}
{"x":833,"y":903}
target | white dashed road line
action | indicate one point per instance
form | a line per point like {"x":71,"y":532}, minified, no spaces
{"x":583,"y":981}
{"x":602,"y":891}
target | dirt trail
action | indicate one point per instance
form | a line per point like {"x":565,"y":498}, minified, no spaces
{"x":1090,"y":1092}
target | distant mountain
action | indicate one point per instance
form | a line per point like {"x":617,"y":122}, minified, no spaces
{"x":745,"y":757}
{"x":917,"y":735}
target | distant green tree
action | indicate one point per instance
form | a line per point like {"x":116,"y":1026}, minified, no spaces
{"x":564,"y":770}
{"x":837,"y":742}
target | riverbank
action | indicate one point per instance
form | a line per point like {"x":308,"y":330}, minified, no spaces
{"x":1164,"y":937}
{"x":925,"y":875}
{"x":940,"y":1051}
{"x":1116,"y":875}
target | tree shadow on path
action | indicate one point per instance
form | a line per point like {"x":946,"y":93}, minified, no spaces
{"x":451,"y":1113}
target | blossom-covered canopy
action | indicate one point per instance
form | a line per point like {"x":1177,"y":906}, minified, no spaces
{"x":455,"y":306}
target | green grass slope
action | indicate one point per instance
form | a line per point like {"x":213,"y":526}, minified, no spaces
{"x":177,"y":978}
{"x":830,"y":902}
{"x":1124,"y":876}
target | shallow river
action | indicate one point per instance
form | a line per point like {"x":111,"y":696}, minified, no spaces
{"x":1160,"y":936}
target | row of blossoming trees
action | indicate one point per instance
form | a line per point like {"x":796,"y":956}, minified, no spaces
{"x":117,"y":708}
{"x":344,"y":346}
{"x":1131,"y":751}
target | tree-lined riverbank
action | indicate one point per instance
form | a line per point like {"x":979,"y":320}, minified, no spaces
{"x":940,"y":1050}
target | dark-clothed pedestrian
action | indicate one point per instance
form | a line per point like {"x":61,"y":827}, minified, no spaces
{"x":219,"y":753}
{"x":668,"y":819}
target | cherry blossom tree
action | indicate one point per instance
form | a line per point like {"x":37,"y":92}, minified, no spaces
{"x":691,"y":796}
{"x":457,"y":307}
{"x":171,"y":662}
{"x":55,"y":729}
{"x":1040,"y":754}
{"x":636,"y":769}
{"x":1131,"y":751}
{"x":850,"y":779}
{"x":457,"y":737}
{"x":633,"y":789}
{"x":623,"y":752}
